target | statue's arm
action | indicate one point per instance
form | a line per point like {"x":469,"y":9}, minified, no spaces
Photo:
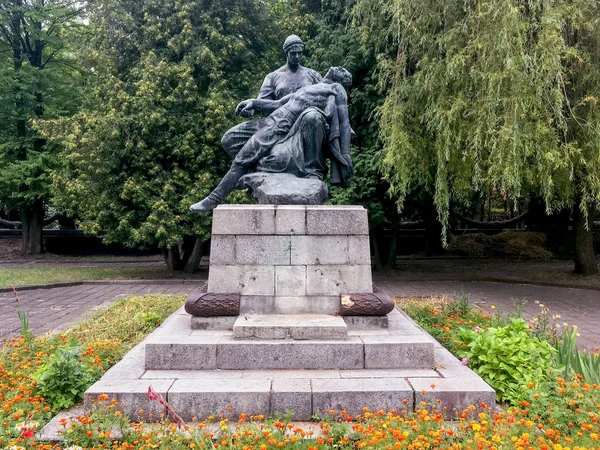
{"x":341,"y":102}
{"x":248,"y":107}
{"x":267,"y":90}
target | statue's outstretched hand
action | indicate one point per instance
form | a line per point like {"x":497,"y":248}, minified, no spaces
{"x":245,"y":108}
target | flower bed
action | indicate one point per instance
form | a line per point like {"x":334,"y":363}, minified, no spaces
{"x":549,"y":412}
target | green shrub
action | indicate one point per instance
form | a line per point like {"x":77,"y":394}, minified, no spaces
{"x":507,"y":357}
{"x":63,"y":379}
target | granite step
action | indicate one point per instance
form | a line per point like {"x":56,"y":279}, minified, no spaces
{"x":226,"y":352}
{"x":220,"y":372}
{"x":290,"y":326}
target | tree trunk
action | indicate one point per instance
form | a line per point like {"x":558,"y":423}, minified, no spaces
{"x":391,"y":259}
{"x":585,"y":258}
{"x":433,"y":228}
{"x":193,"y":259}
{"x":32,"y":220}
{"x":375,"y":250}
{"x":172,"y":259}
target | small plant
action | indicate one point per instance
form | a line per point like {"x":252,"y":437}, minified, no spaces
{"x":147,"y":320}
{"x":63,"y":379}
{"x":572,"y":361}
{"x":23,"y":318}
{"x":507,"y":357}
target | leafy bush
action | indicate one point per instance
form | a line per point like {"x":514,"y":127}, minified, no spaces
{"x":507,"y":357}
{"x":443,"y":320}
{"x":63,"y":379}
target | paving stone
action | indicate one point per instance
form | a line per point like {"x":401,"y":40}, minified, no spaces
{"x":275,"y":374}
{"x":338,"y":279}
{"x":317,"y":250}
{"x":398,"y":352}
{"x":244,"y":219}
{"x":250,"y":304}
{"x":290,"y":281}
{"x":355,"y":394}
{"x":290,"y":219}
{"x":263,"y":250}
{"x":132,"y":395}
{"x":289,"y":326}
{"x":292,"y":395}
{"x":389,"y":373}
{"x":234,"y":354}
{"x":326,"y":220}
{"x":192,"y":374}
{"x":215,"y":396}
{"x":239,"y":279}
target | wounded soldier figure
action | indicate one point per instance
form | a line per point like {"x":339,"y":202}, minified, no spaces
{"x":263,"y":151}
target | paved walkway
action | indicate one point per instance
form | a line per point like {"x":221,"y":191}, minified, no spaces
{"x":57,"y":308}
{"x":579,"y":307}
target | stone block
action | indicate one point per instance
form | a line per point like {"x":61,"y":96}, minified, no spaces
{"x":259,"y":304}
{"x":317,"y":250}
{"x":359,"y":249}
{"x":262,"y":250}
{"x":193,"y":374}
{"x":235,"y":354}
{"x":398,"y":352}
{"x":353,"y":394}
{"x":213,"y":323}
{"x":244,"y":219}
{"x":290,"y":326}
{"x":290,"y":281}
{"x":338,"y":279}
{"x":290,"y":373}
{"x":290,"y":219}
{"x":366,"y":322}
{"x":340,"y":220}
{"x":214,"y":396}
{"x":389,"y":373}
{"x":399,"y":322}
{"x":222,"y":249}
{"x":132,"y":396}
{"x":454,"y":395}
{"x":187,"y":353}
{"x":292,"y":395}
{"x":240,"y":279}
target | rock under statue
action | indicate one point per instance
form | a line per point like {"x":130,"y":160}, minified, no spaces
{"x":308,"y":123}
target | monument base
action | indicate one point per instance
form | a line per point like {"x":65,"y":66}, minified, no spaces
{"x":278,"y":342}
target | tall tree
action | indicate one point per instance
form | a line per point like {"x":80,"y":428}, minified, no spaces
{"x":38,"y":80}
{"x":146,"y":145}
{"x":487,"y":95}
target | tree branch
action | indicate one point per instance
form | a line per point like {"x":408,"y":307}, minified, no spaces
{"x":492,"y":224}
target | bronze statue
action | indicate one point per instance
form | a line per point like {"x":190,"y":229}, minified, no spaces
{"x":285,"y":80}
{"x":304,"y":127}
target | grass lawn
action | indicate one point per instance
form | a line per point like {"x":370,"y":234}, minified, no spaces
{"x":23,"y":276}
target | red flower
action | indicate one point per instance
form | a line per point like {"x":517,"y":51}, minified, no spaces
{"x":27,"y":434}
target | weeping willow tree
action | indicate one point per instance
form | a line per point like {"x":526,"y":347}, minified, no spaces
{"x":486,"y":95}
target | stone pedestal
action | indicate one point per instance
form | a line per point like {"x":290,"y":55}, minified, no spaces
{"x":298,"y":257}
{"x":285,"y":274}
